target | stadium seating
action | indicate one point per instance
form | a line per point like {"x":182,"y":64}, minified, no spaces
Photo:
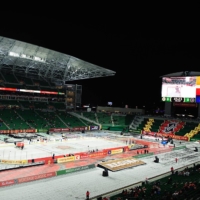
{"x":57,"y":105}
{"x":187,"y":128}
{"x":13,"y":120}
{"x":196,"y":137}
{"x":87,"y":123}
{"x":26,"y":104}
{"x":2,"y":78}
{"x":2,"y":125}
{"x":40,"y":82}
{"x":104,"y":118}
{"x":142,"y":124}
{"x":32,"y":87}
{"x":70,"y":120}
{"x":158,"y":125}
{"x":122,"y":120}
{"x":11,"y":85}
{"x":31,"y":118}
{"x":90,"y":115}
{"x":170,"y":187}
{"x":25,"y":81}
{"x":151,"y":124}
{"x":40,"y":105}
{"x":50,"y":120}
{"x":9,"y":103}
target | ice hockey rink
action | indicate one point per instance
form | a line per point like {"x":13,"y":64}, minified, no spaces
{"x":74,"y":186}
{"x":172,"y":90}
{"x":56,"y":145}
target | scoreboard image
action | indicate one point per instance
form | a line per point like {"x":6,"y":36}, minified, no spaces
{"x":181,"y":89}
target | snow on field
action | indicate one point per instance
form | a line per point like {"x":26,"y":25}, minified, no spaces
{"x":74,"y":186}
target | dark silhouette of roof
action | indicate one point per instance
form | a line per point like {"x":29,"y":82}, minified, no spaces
{"x":183,"y":73}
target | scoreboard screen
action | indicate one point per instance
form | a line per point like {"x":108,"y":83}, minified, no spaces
{"x":179,"y":99}
{"x":181,"y":89}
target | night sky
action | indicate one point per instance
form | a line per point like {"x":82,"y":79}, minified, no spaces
{"x":139,"y":53}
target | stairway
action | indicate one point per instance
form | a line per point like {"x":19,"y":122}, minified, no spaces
{"x":136,"y":122}
{"x":62,"y":121}
{"x":6,"y":125}
{"x":24,"y":120}
{"x":113,"y":124}
{"x":96,"y":118}
{"x":82,"y":117}
{"x":82,"y":121}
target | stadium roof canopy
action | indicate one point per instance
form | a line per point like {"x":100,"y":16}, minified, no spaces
{"x":24,"y":59}
{"x":184,"y":73}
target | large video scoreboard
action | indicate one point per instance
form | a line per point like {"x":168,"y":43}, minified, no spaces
{"x":181,"y":89}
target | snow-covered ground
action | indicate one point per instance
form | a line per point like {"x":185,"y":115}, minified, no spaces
{"x":74,"y":186}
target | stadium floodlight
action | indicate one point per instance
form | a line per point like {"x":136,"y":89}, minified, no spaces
{"x":38,"y":59}
{"x":13,"y":54}
{"x":23,"y":55}
{"x":187,"y":79}
{"x":31,"y":61}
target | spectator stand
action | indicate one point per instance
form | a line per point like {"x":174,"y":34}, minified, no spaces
{"x":167,"y":186}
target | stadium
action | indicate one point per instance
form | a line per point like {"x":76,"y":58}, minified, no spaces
{"x":50,"y":149}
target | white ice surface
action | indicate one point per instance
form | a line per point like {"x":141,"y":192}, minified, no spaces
{"x":74,"y":186}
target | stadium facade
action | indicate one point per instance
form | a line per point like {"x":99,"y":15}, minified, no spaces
{"x":26,"y":66}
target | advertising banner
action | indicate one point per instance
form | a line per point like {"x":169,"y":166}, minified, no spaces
{"x":80,"y":168}
{"x":59,"y":129}
{"x":19,"y":131}
{"x":84,"y":155}
{"x":75,"y":129}
{"x":7,"y":183}
{"x":36,"y":177}
{"x":116,"y":151}
{"x":79,"y":129}
{"x":14,"y":162}
{"x":120,"y":164}
{"x":42,"y":130}
{"x":93,"y":128}
{"x":177,"y":137}
{"x":77,"y":157}
{"x":68,"y":129}
{"x":93,"y":154}
{"x":97,"y":154}
{"x":65,"y":159}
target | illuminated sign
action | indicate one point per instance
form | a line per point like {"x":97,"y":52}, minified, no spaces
{"x":30,"y":91}
{"x":181,"y":89}
{"x":179,"y":99}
